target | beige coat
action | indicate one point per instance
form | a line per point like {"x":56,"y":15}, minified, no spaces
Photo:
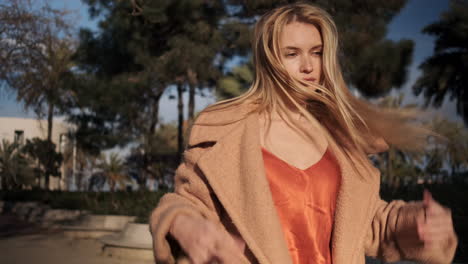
{"x":222,"y":178}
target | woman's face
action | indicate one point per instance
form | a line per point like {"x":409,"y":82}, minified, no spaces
{"x":301,"y":51}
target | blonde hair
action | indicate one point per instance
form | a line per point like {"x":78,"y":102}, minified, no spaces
{"x":347,"y":121}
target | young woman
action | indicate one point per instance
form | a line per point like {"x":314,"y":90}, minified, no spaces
{"x":281,"y":174}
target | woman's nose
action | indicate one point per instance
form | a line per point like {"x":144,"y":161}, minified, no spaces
{"x":306,"y":66}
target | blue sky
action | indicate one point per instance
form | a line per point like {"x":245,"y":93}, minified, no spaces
{"x":407,"y":25}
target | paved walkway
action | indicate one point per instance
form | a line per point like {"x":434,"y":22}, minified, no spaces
{"x":21,"y":242}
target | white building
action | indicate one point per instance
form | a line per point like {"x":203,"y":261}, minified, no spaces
{"x":18,"y":130}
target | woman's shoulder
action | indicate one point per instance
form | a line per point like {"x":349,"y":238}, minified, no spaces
{"x":216,"y":120}
{"x":223,"y":114}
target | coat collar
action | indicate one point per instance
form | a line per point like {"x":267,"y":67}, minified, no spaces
{"x":235,"y":170}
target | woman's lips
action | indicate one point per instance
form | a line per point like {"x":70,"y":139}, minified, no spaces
{"x":309,"y":79}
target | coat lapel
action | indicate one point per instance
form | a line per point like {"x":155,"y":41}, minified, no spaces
{"x":352,"y":219}
{"x":235,"y":170}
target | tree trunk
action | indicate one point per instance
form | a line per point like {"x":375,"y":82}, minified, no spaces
{"x":79,"y":178}
{"x":155,"y":113}
{"x":50,"y":119}
{"x":154,"y":120}
{"x":4,"y":183}
{"x":192,"y":80}
{"x":180,"y":108}
{"x":390,"y":157}
{"x":112,"y":186}
{"x":191,"y":106}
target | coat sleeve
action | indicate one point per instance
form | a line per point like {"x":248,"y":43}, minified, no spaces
{"x":192,"y":196}
{"x":393,"y":235}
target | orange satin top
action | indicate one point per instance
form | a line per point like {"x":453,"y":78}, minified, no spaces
{"x":305,"y":201}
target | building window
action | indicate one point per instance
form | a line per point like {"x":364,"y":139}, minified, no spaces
{"x":19,"y":137}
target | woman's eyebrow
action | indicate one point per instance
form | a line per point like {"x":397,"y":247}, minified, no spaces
{"x":318,"y":46}
{"x":290,"y":48}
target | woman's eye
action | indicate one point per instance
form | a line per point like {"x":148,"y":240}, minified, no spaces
{"x":317,"y":53}
{"x":291,"y":55}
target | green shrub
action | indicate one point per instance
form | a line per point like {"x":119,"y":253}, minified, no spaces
{"x":138,"y":204}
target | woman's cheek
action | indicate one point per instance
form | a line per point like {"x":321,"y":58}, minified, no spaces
{"x":291,"y":68}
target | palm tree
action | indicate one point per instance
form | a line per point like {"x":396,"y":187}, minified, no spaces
{"x":398,"y":163}
{"x":445,"y":72}
{"x":37,"y":61}
{"x":113,"y":169}
{"x":455,"y":149}
{"x":15,"y":170}
{"x":77,"y":160}
{"x":152,"y":159}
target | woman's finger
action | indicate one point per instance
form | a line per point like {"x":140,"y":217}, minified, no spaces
{"x":427,"y":198}
{"x":435,"y":238}
{"x":432,"y":208}
{"x":439,"y":220}
{"x":420,"y":226}
{"x":435,"y":229}
{"x":431,"y":232}
{"x":199,"y":256}
{"x":227,"y":251}
{"x":228,"y":255}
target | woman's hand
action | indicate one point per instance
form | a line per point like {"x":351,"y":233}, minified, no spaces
{"x":203,"y":241}
{"x":436,"y":226}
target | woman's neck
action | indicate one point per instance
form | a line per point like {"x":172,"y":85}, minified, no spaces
{"x":293,"y":115}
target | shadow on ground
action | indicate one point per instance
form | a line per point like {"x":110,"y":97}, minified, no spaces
{"x":23,"y":242}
